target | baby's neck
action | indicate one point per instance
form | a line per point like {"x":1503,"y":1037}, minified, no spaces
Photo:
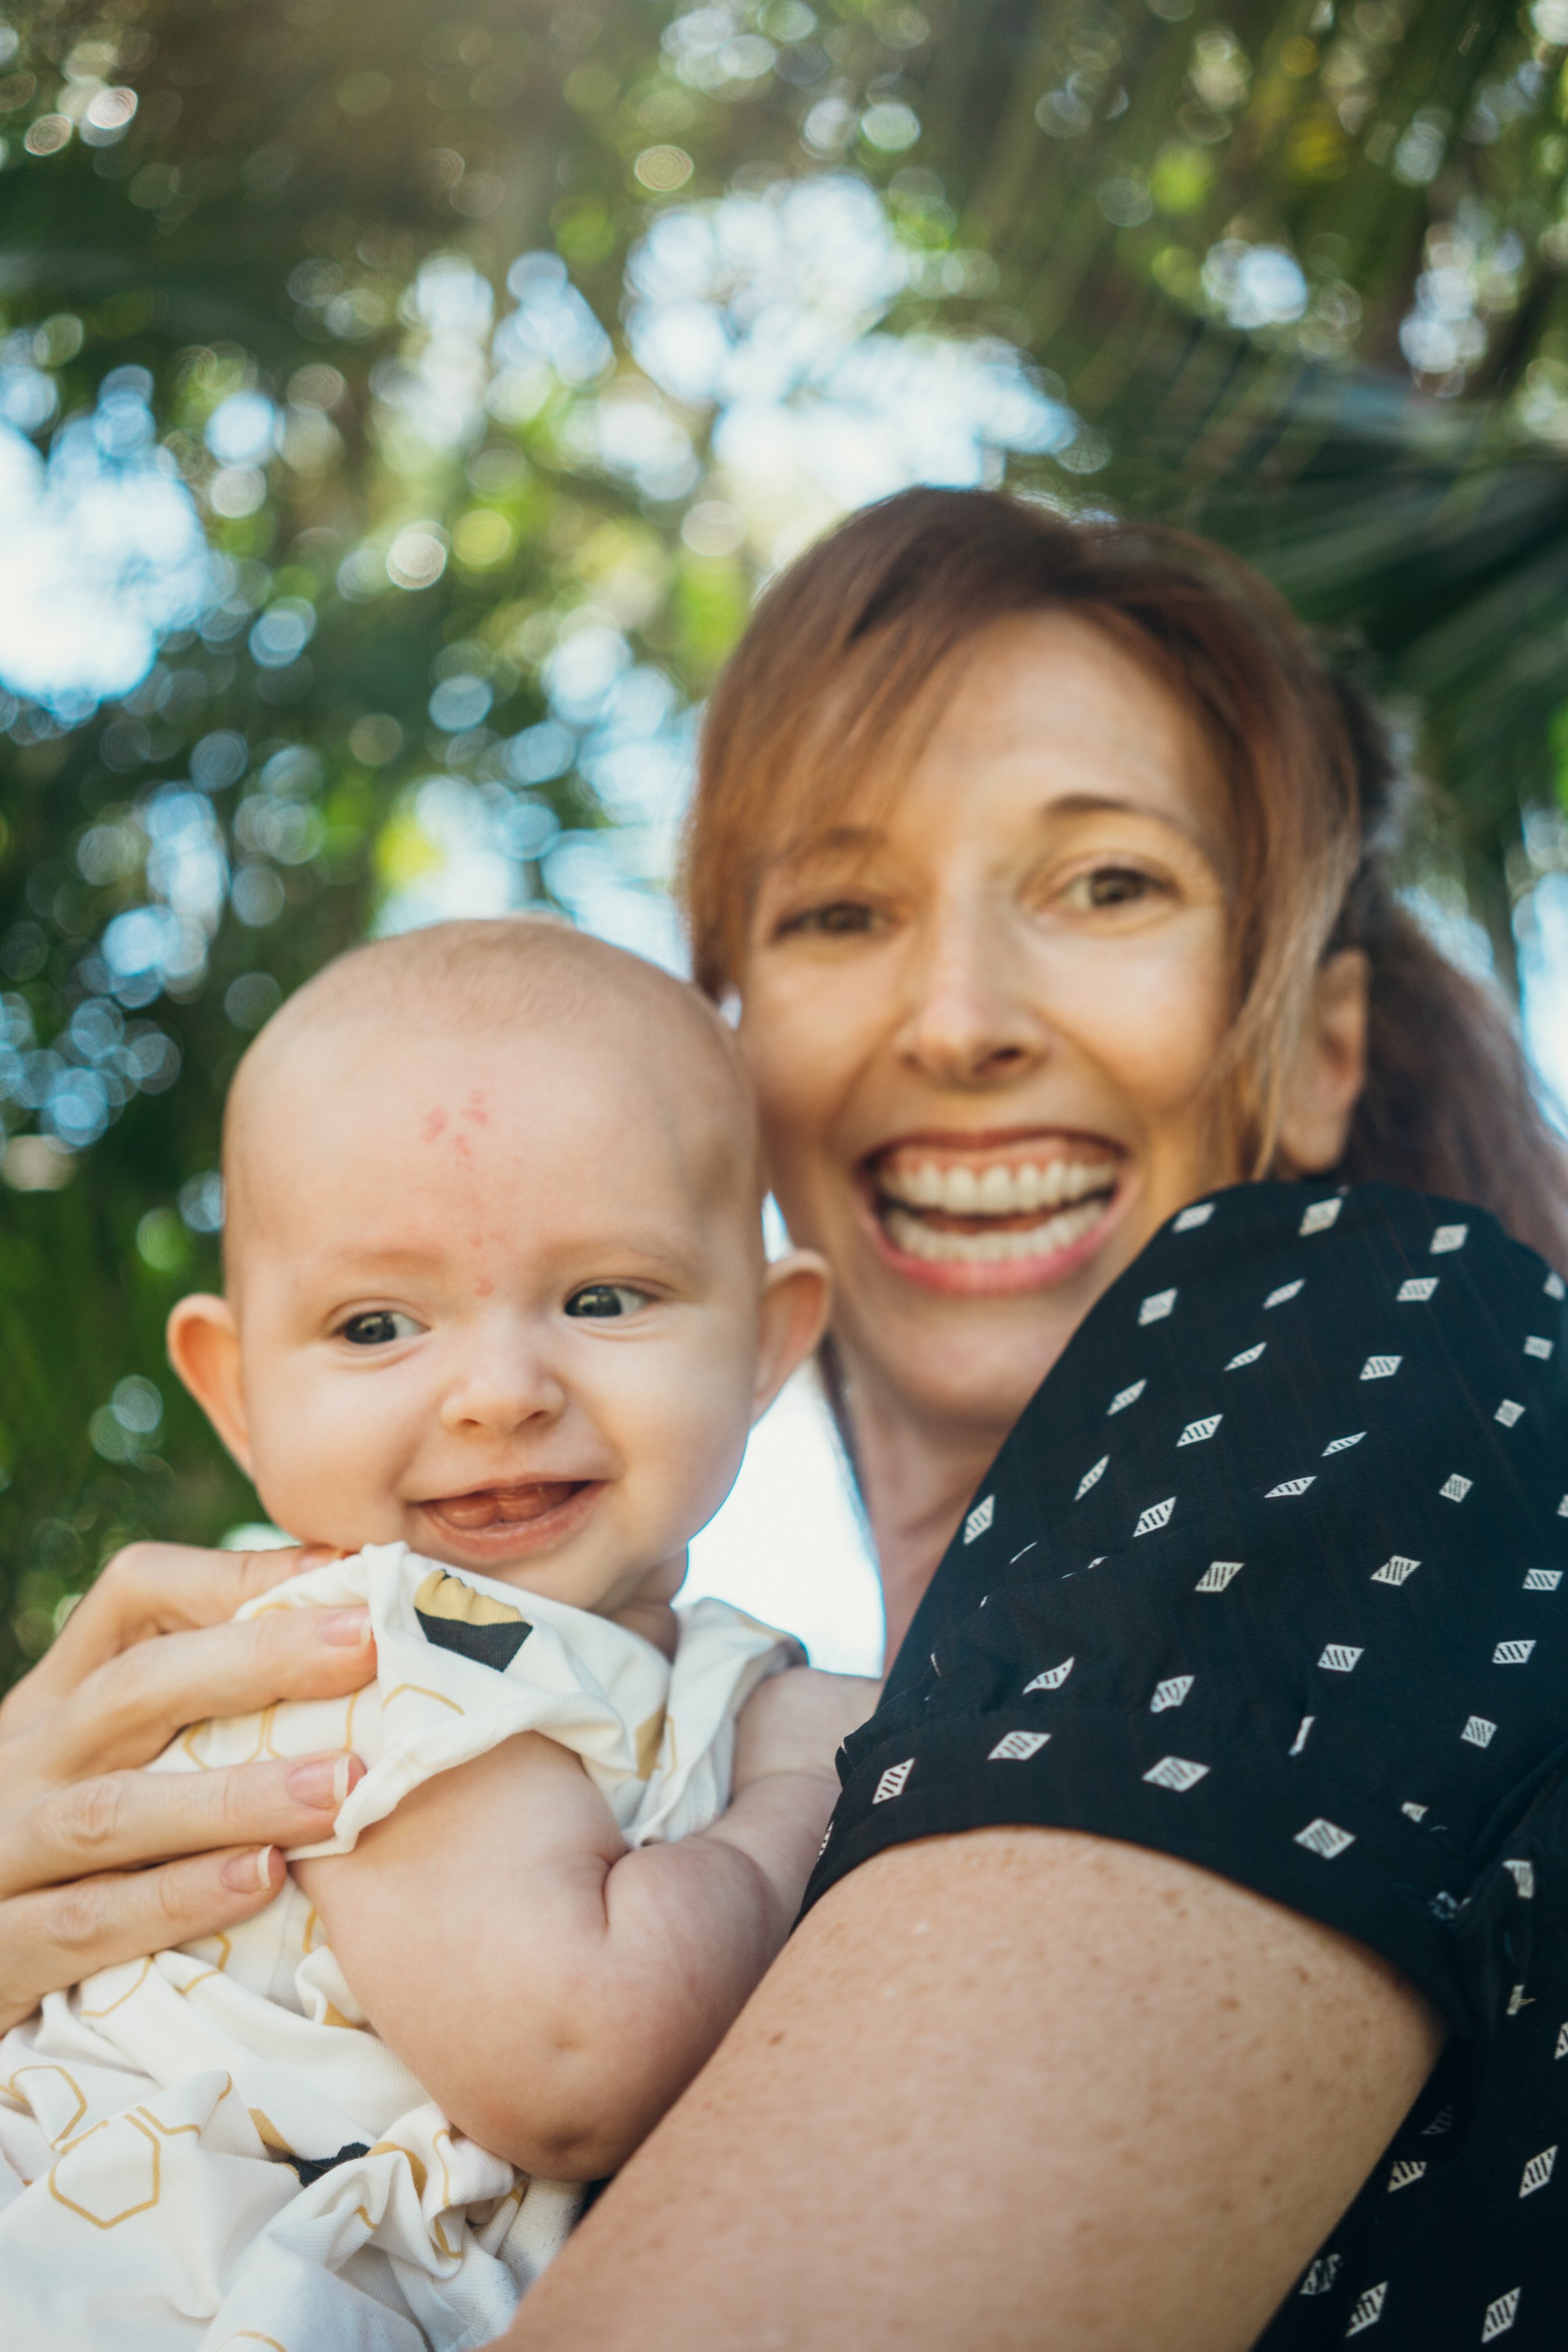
{"x":651,"y":1616}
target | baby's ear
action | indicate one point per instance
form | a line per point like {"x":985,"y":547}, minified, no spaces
{"x":797,"y":1291}
{"x":203,"y":1349}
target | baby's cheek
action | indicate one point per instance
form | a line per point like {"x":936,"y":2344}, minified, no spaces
{"x":323,"y":1472}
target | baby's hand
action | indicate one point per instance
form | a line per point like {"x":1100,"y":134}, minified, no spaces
{"x":796,"y":1722}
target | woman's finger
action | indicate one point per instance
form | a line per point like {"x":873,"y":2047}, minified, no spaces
{"x":55,"y":1938}
{"x":127,"y":1710}
{"x":150,"y":1589}
{"x":119,"y":1819}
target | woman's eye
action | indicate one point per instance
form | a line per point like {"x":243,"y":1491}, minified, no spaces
{"x":838,"y":918}
{"x":378,"y":1329}
{"x":1111,"y":885}
{"x":603,"y":1299}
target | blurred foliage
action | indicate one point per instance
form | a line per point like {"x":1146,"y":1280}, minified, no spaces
{"x":1287,"y":274}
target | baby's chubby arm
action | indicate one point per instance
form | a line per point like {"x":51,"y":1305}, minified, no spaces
{"x":553,"y":1990}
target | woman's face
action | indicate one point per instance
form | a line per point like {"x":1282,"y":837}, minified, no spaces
{"x":983,"y":1019}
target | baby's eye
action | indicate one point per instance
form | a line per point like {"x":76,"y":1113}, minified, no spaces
{"x":378,"y":1329}
{"x":607,"y":1298}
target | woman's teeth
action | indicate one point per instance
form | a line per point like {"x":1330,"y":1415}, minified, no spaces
{"x":998,"y":1190}
{"x":940,"y":1243}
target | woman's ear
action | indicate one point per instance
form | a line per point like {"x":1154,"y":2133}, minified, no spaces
{"x":203,"y":1349}
{"x":1330,"y":1069}
{"x":797,"y":1290}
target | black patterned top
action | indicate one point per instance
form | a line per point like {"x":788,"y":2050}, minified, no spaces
{"x":1272,"y":1575}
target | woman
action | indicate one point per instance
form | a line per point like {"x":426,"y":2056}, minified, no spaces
{"x":1047,"y":868}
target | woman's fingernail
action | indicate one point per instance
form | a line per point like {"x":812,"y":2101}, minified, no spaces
{"x":322,"y":1782}
{"x":345,"y":1773}
{"x":345,"y":1628}
{"x":250,"y":1873}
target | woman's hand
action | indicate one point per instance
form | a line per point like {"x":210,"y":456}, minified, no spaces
{"x":797,"y":1721}
{"x":100,"y":1861}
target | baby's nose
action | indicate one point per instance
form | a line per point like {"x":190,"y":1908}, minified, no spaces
{"x":502,"y":1390}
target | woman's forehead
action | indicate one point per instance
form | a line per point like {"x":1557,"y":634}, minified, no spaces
{"x":1041,"y":714}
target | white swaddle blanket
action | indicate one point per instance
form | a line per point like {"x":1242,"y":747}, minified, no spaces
{"x":211,"y":2149}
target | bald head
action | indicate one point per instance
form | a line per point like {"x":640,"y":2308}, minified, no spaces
{"x":515,"y":977}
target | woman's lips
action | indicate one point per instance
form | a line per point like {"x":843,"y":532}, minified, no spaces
{"x":1010,"y":1216}
{"x":506,"y":1520}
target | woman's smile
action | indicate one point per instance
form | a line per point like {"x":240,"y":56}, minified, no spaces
{"x":993,"y":1213}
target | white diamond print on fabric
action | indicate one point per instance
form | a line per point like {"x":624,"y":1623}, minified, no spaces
{"x":891,"y":1783}
{"x":1190,"y":1219}
{"x":1454,"y":1488}
{"x":1519,"y":1998}
{"x":1561,"y":2049}
{"x":1321,"y":2275}
{"x":1405,"y":2173}
{"x":1511,"y":1653}
{"x":1340,"y":1657}
{"x":1286,"y":1290}
{"x":1381,"y":1368}
{"x":1091,"y":1477}
{"x":1170,"y":1692}
{"x":1395,"y":1571}
{"x":1542,"y":1580}
{"x":1325,"y":1838}
{"x":1563,"y":1509}
{"x":1553,"y":1286}
{"x":1417,"y":1812}
{"x":1508,"y":1412}
{"x":1157,"y":1305}
{"x":1523,"y":1876}
{"x":1157,"y":1515}
{"x":1448,"y":1238}
{"x":1018,"y":1747}
{"x":1538,"y":2171}
{"x":979,"y":1518}
{"x":1500,"y":2314}
{"x":1342,"y":1444}
{"x":1248,"y":1356}
{"x":1419,"y":1287}
{"x":1053,"y":1677}
{"x":1218,"y":1575}
{"x":1178,"y":1772}
{"x":1479,"y":1731}
{"x":1368,"y":2310}
{"x":1303,"y":1732}
{"x":1124,"y":1397}
{"x":1539,"y":1347}
{"x":1321,"y":1216}
{"x":1196,"y":1431}
{"x":1288,"y":1487}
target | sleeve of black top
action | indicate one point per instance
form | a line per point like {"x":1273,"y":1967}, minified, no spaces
{"x":1272,"y":1576}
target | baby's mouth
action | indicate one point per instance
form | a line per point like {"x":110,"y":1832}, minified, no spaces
{"x":979,"y":1205}
{"x":493,"y":1509}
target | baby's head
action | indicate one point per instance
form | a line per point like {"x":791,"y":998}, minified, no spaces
{"x":495,"y":1281}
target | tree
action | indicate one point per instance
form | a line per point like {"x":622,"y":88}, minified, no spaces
{"x":439,"y":353}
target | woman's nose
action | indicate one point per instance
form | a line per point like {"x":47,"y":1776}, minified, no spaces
{"x":506,"y":1386}
{"x":972,"y":1018}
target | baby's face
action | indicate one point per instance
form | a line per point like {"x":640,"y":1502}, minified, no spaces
{"x":497,"y":1296}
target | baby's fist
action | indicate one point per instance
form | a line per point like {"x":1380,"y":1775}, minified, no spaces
{"x":797,"y":1721}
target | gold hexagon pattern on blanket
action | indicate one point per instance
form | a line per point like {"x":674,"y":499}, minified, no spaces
{"x":473,"y":1624}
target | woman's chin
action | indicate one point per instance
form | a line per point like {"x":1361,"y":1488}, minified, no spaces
{"x":968,"y":1262}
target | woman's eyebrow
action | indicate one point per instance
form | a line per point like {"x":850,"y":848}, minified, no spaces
{"x":1121,"y":804}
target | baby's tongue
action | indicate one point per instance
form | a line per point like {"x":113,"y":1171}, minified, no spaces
{"x":506,"y":1506}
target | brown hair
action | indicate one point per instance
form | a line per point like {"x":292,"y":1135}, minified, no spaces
{"x":835,"y":674}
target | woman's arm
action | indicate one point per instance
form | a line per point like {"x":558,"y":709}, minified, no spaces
{"x":552,"y":1991}
{"x":100,"y":1861}
{"x":1023,"y":2089}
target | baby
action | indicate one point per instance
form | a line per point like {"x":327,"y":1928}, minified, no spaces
{"x":496,"y":1323}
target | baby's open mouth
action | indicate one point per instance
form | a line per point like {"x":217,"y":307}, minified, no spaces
{"x":990,"y":1206}
{"x":517,"y":1506}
